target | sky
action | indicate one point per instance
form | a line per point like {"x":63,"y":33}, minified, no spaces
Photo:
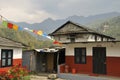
{"x":35,"y":11}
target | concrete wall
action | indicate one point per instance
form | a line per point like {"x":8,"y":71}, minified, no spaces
{"x":112,"y":58}
{"x":112,"y":49}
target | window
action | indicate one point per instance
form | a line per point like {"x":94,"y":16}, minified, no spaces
{"x":101,"y":38}
{"x":6,"y":57}
{"x":95,"y":37}
{"x":72,"y":38}
{"x":80,"y":55}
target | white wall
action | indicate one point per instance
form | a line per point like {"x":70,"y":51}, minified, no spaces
{"x":17,"y":52}
{"x":112,"y":49}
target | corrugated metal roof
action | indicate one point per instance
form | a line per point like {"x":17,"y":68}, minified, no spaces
{"x":10,"y":43}
{"x":46,"y":50}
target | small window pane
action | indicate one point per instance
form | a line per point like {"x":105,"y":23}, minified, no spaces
{"x":3,"y":62}
{"x":3,"y":55}
{"x":83,"y":59}
{"x":83,"y":52}
{"x":9,"y":61}
{"x":77,"y":60}
{"x":9,"y":54}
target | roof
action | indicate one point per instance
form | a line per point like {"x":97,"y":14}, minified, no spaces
{"x":47,"y":50}
{"x":94,"y":42}
{"x":10,"y":43}
{"x":86,"y":30}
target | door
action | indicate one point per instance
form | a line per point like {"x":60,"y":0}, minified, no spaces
{"x":50,"y":62}
{"x":41,"y":62}
{"x":99,"y":60}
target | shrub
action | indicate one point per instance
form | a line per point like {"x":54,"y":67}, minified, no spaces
{"x":16,"y":72}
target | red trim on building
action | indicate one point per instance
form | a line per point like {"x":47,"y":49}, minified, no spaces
{"x":15,"y":61}
{"x":80,"y":68}
{"x":112,"y":65}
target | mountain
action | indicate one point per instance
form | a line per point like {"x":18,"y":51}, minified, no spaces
{"x":49,"y":25}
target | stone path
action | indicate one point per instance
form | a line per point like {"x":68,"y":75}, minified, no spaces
{"x":35,"y":77}
{"x":73,"y":77}
{"x":85,"y":77}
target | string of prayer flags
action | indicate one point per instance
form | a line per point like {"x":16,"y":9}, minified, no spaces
{"x":10,"y":25}
{"x":38,"y":32}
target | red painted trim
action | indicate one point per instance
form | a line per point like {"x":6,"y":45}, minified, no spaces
{"x":80,"y":68}
{"x":112,"y":65}
{"x":15,"y":61}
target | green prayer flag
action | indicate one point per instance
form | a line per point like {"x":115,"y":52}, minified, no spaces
{"x":4,"y":23}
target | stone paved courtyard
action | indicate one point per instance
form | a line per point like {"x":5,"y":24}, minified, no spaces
{"x":36,"y":77}
{"x":73,"y":77}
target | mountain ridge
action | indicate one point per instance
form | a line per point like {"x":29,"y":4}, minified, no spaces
{"x":49,"y":25}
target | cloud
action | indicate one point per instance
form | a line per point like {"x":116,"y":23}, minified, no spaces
{"x":21,"y":15}
{"x":25,"y":11}
{"x":37,"y":10}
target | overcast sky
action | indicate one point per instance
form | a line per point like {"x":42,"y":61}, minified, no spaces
{"x":34,"y":11}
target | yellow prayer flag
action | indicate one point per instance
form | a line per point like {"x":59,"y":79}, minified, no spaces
{"x":15,"y":27}
{"x":39,"y":32}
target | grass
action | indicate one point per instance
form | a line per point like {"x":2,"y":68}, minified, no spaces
{"x":26,"y":78}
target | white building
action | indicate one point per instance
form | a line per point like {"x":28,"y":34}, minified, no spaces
{"x":88,"y":51}
{"x":10,"y":53}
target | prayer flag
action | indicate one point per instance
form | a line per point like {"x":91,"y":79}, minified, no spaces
{"x":39,"y":32}
{"x":20,"y":28}
{"x":44,"y":35}
{"x":10,"y":25}
{"x":26,"y":28}
{"x":34,"y":31}
{"x":56,"y":42}
{"x":31,"y":30}
{"x":4,"y":23}
{"x":15,"y":27}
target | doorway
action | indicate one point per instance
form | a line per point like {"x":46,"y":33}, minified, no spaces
{"x":99,"y":60}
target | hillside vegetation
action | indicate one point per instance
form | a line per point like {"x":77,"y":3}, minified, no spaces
{"x":109,"y":27}
{"x":24,"y":37}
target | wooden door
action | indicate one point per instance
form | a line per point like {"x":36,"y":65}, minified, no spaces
{"x":50,"y":62}
{"x":99,"y":60}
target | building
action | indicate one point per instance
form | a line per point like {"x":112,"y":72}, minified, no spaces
{"x":88,"y":51}
{"x":10,"y":53}
{"x":43,"y":60}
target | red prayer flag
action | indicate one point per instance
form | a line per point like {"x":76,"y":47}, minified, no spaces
{"x":34,"y":31}
{"x":56,"y":42}
{"x":10,"y":25}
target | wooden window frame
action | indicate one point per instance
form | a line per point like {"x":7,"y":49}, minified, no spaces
{"x":6,"y":57}
{"x":79,"y":55}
